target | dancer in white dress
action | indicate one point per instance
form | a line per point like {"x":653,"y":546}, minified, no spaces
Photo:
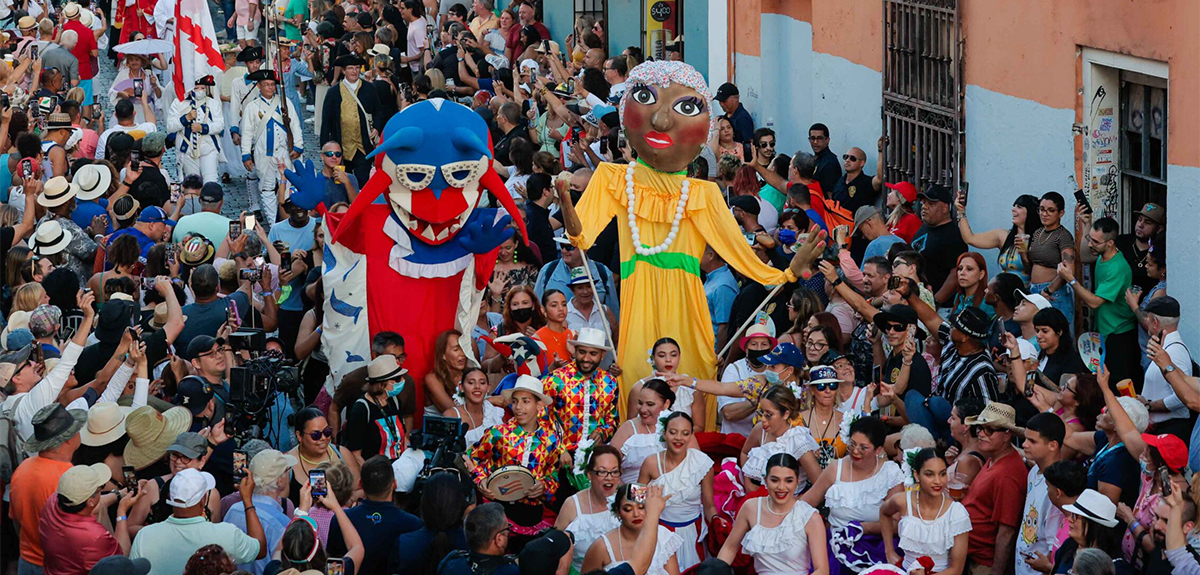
{"x":854,"y":488}
{"x":616,"y":546}
{"x":664,"y":356}
{"x":475,"y":410}
{"x":686,"y":475}
{"x":783,"y":535}
{"x":586,"y":514}
{"x":778,"y":431}
{"x":931,"y":524}
{"x":641,"y":436}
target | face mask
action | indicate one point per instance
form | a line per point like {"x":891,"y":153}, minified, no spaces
{"x":200,"y":95}
{"x":396,"y":389}
{"x":754,"y":356}
{"x":522,"y":315}
{"x":787,"y":237}
{"x":1145,"y":468}
{"x":772,"y":377}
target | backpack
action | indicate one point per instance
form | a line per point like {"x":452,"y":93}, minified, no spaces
{"x":485,"y":566}
{"x":12,"y":447}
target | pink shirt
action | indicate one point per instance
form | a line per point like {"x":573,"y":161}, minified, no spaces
{"x":243,"y":10}
{"x":72,"y":543}
{"x":87,"y":144}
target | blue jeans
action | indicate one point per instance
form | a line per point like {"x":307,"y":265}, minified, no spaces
{"x":1062,"y":300}
{"x":227,"y":6}
{"x":26,"y":568}
{"x":931,"y":413}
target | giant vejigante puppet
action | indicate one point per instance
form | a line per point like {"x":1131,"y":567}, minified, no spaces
{"x":665,"y":221}
{"x":417,"y":263}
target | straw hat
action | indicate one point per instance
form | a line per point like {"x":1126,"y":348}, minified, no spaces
{"x":91,"y":181}
{"x":527,"y":383}
{"x":57,"y":192}
{"x":590,"y":337}
{"x":385,"y":368}
{"x":151,"y":433}
{"x":50,"y":238}
{"x":105,"y":424}
{"x":996,"y":414}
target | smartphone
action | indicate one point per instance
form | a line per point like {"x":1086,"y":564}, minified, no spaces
{"x":87,"y":290}
{"x":285,"y":262}
{"x":231,"y":315}
{"x":170,"y":254}
{"x":1164,"y":477}
{"x":4,"y":101}
{"x":235,"y":229}
{"x":135,"y":160}
{"x":316,"y":478}
{"x":575,"y":135}
{"x":335,"y":566}
{"x":894,"y":282}
{"x":148,"y":283}
{"x":637,"y":492}
{"x":129,"y":478}
{"x":963,"y":192}
{"x":33,"y":51}
{"x":251,"y":221}
{"x":27,"y":168}
{"x":877,"y":374}
{"x":176,"y":192}
{"x":1082,"y":199}
{"x":137,"y":86}
{"x":249,"y":275}
{"x":239,"y":462}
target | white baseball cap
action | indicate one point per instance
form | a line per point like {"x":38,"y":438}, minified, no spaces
{"x":189,"y":486}
{"x":1036,"y":299}
{"x":1027,"y":349}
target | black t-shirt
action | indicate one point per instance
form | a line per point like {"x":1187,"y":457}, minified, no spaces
{"x":501,"y":148}
{"x":941,"y":247}
{"x":829,"y":169}
{"x":369,"y":423}
{"x":919,"y":378}
{"x":446,"y":60}
{"x":92,"y":359}
{"x":541,"y":234}
{"x":379,"y":524}
{"x":1127,"y":243}
{"x":387,"y":100}
{"x":856,"y":194}
{"x":150,"y":188}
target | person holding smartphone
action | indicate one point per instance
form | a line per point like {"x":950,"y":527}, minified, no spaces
{"x":300,"y":539}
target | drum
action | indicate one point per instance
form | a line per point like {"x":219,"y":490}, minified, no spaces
{"x":510,"y":483}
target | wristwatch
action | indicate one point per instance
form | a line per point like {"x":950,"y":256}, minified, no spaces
{"x":1168,"y":369}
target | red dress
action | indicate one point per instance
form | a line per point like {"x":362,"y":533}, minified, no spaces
{"x":133,"y":18}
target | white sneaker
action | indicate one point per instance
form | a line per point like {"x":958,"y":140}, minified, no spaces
{"x":310,"y":108}
{"x":308,"y":120}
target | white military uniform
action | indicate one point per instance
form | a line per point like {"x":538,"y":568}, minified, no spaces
{"x":198,"y":152}
{"x":241,"y":93}
{"x":265,"y":140}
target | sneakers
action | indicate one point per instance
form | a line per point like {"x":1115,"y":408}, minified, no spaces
{"x":308,"y":120}
{"x":310,"y":108}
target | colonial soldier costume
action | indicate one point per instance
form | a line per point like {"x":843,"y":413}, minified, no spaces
{"x":243,"y":90}
{"x":197,"y":122}
{"x":267,"y":122}
{"x":349,"y":116}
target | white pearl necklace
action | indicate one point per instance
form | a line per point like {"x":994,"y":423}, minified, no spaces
{"x":633,"y":228}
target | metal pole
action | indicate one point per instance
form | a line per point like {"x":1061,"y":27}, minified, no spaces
{"x":733,"y":337}
{"x":587,"y":269}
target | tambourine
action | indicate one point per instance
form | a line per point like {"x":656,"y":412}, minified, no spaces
{"x":510,"y":483}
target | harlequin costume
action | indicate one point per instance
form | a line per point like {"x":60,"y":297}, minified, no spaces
{"x":538,"y":451}
{"x":417,"y":264}
{"x":661,"y":293}
{"x":582,"y":404}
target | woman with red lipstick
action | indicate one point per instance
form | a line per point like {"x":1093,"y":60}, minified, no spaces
{"x":616,"y":546}
{"x":476,"y":411}
{"x":685,"y":473}
{"x":931,"y":523}
{"x":664,"y":356}
{"x":782,"y":533}
{"x":854,"y":488}
{"x":641,"y":436}
{"x":586,"y":514}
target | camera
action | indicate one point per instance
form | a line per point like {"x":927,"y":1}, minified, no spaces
{"x":148,"y":283}
{"x":441,"y":438}
{"x":251,"y":275}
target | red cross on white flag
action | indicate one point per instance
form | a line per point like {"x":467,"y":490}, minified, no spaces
{"x":196,"y":52}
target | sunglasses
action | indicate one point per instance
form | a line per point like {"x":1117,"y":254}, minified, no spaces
{"x":317,"y":435}
{"x":850,"y":157}
{"x":332,"y":154}
{"x":895,"y":327}
{"x":988,"y":431}
{"x":823,"y":386}
{"x":767,"y":144}
{"x":567,"y":247}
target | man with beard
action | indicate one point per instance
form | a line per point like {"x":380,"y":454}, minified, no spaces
{"x":583,"y":396}
{"x":1151,"y":220}
{"x":1174,"y":521}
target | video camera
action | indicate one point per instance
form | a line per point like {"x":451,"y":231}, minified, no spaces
{"x":442,"y":440}
{"x":255,"y":386}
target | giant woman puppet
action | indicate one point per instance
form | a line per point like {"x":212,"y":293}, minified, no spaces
{"x":666,"y":219}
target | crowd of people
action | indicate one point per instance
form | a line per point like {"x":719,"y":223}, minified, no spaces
{"x":912,"y":403}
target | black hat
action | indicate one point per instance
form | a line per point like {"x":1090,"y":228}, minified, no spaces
{"x":543,"y":554}
{"x":726,"y":90}
{"x":206,"y":81}
{"x":211,"y":193}
{"x":250,"y":54}
{"x":831,"y":356}
{"x":972,"y":321}
{"x":1165,"y":306}
{"x":749,"y":204}
{"x":936,"y":193}
{"x":115,"y":317}
{"x":350,"y":60}
{"x":261,"y":75}
{"x":901,"y":314}
{"x":193,"y":393}
{"x":200,"y":344}
{"x":53,"y":425}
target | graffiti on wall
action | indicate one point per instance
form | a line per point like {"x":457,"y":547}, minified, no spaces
{"x":1099,"y":145}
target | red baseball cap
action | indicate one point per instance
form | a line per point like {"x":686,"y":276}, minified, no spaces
{"x":906,"y":189}
{"x":1172,"y":449}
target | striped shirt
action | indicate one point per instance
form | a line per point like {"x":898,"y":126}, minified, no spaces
{"x":965,"y":375}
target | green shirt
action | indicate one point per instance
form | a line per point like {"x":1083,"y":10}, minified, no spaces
{"x":295,"y":8}
{"x":774,"y":197}
{"x":169,"y":545}
{"x":1113,"y":277}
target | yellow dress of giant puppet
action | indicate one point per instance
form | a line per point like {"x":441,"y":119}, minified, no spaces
{"x":669,"y":217}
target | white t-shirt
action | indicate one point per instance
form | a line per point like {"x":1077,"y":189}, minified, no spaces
{"x":416,"y":41}
{"x":102,"y":145}
{"x":1040,"y":526}
{"x":736,"y":371}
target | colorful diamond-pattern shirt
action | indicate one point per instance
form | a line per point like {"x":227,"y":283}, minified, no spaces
{"x":506,"y":444}
{"x":568,"y":389}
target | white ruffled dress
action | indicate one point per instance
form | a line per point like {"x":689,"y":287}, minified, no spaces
{"x":782,"y":549}
{"x":860,"y":500}
{"x":637,"y":448}
{"x":686,"y":505}
{"x":668,"y":544}
{"x":795,"y":441}
{"x":933,"y":539}
{"x":492,"y":416}
{"x":587,"y":528}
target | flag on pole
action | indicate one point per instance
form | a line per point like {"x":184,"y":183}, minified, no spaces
{"x":196,"y":51}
